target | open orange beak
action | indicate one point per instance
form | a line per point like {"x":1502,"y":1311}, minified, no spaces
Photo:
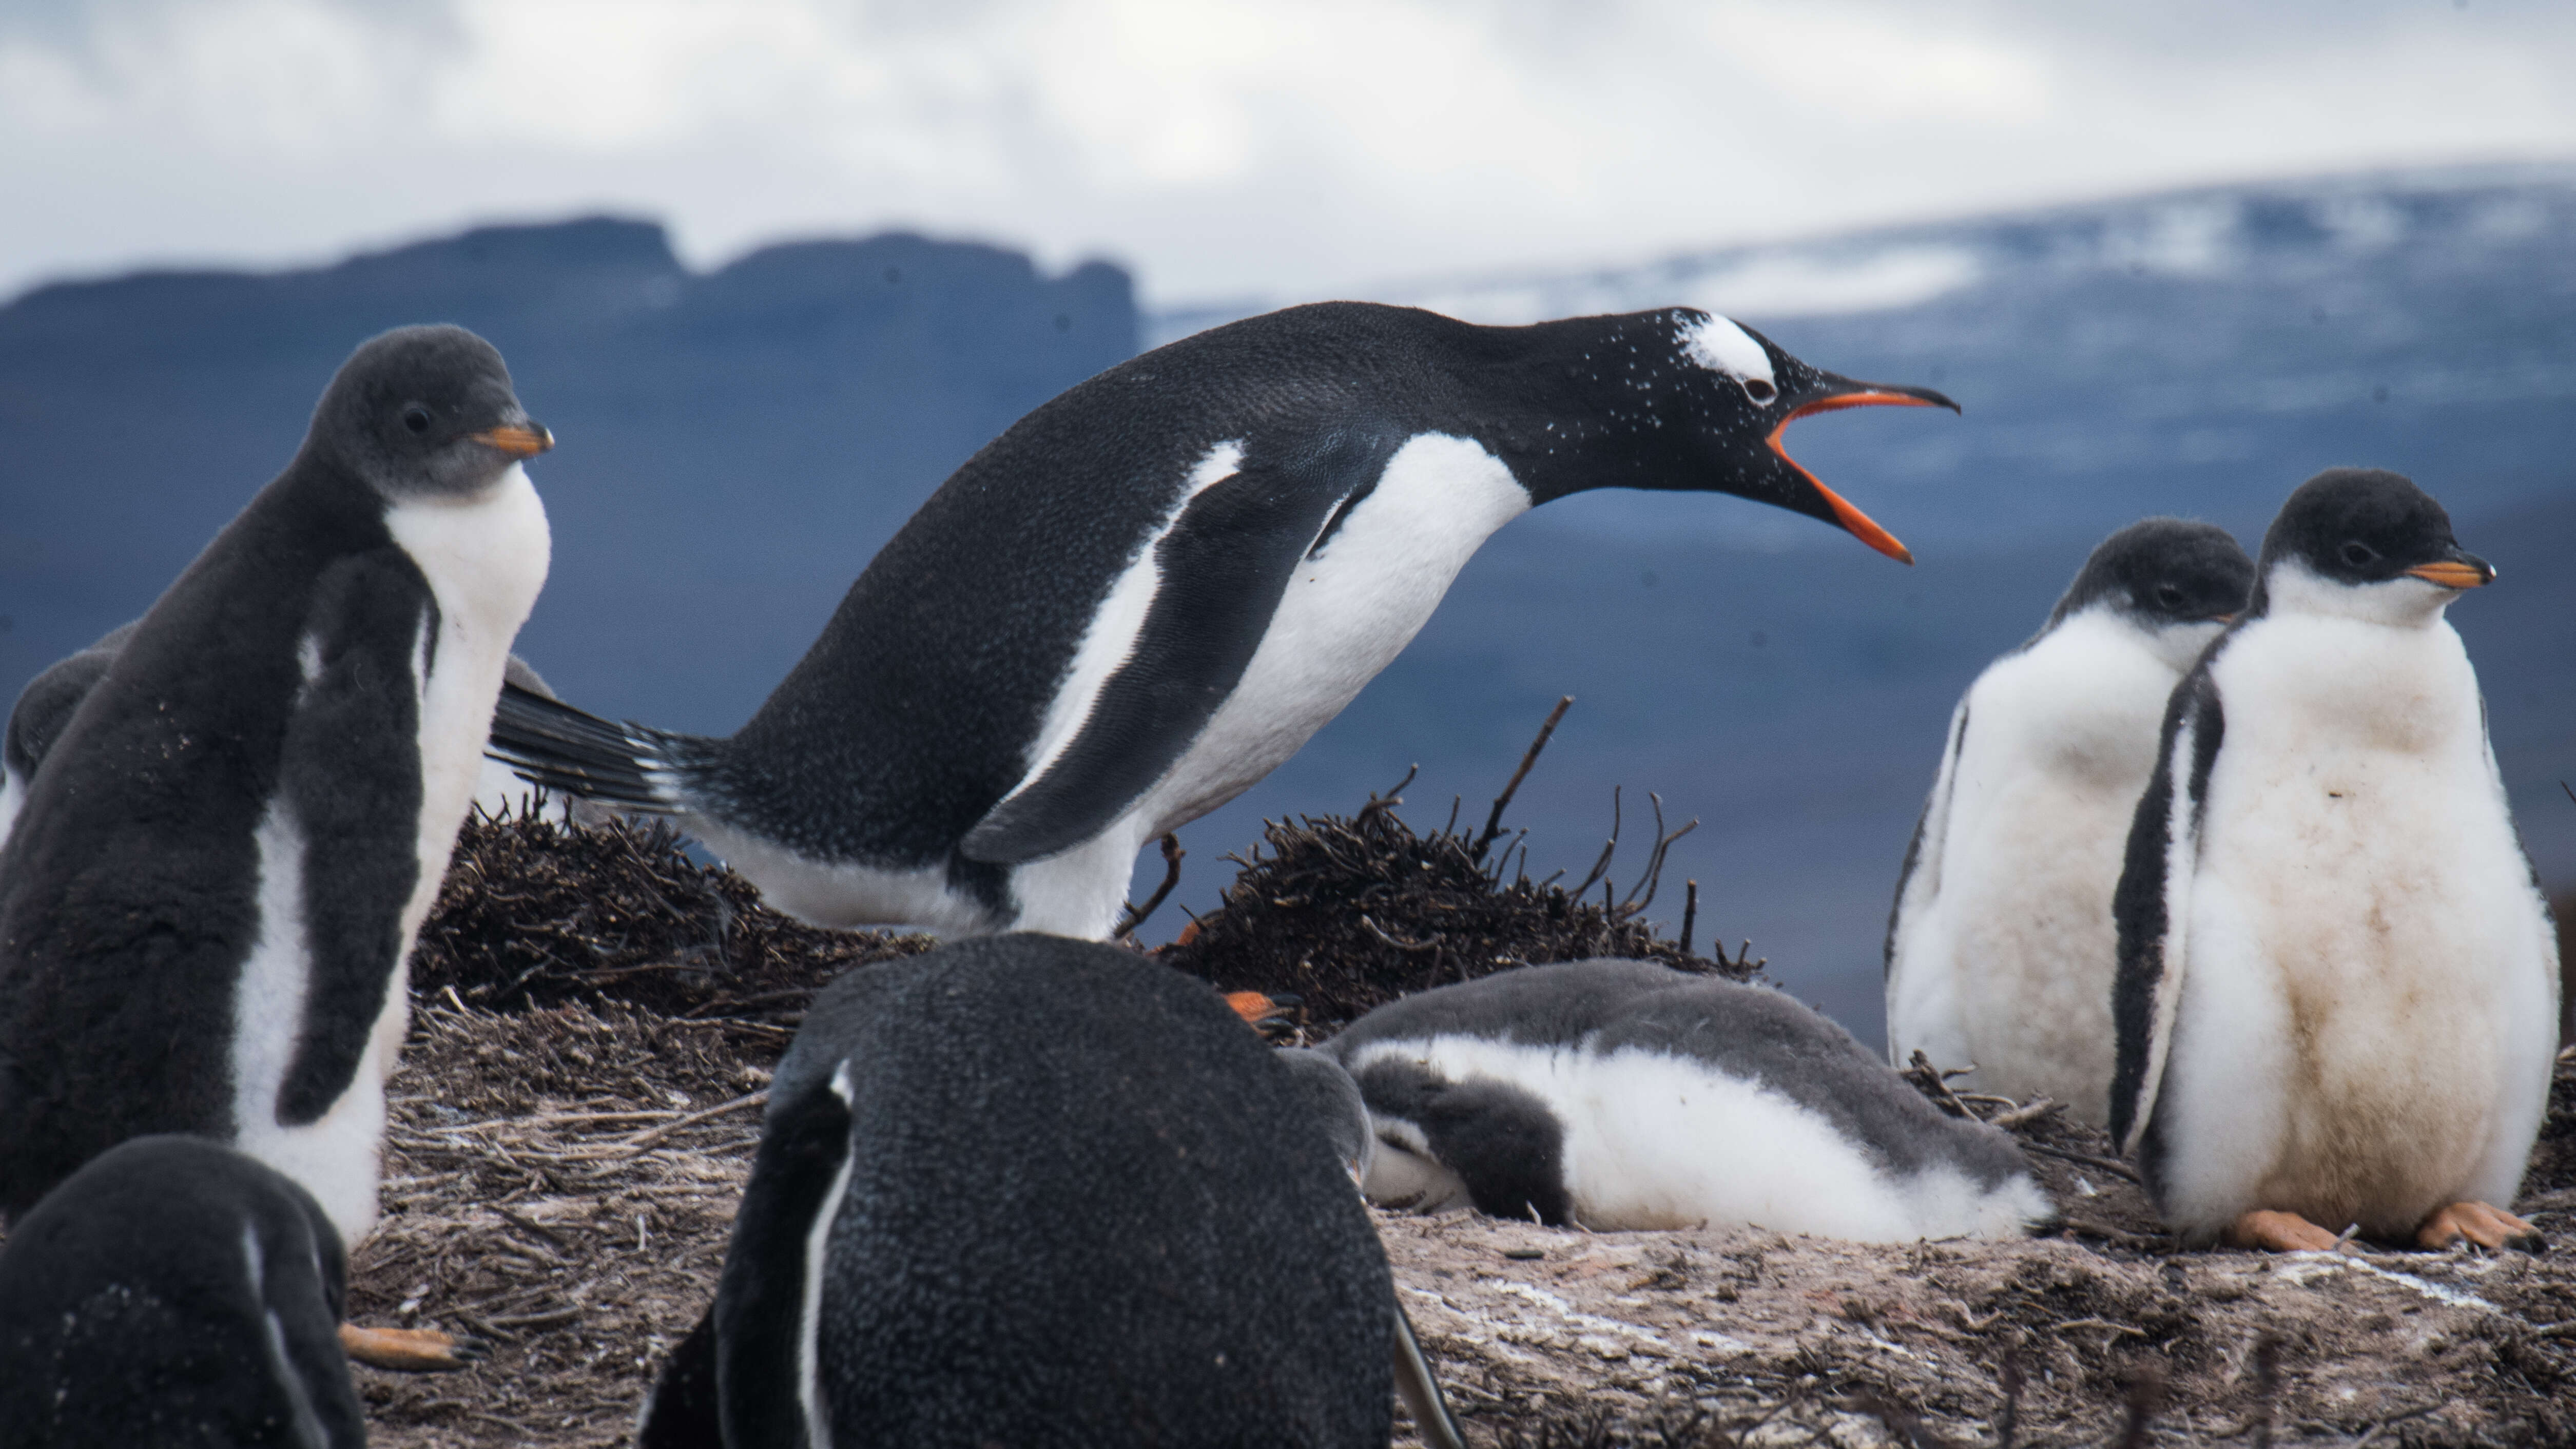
{"x":2456,"y":573}
{"x":1853,"y":521}
{"x":518,"y":442}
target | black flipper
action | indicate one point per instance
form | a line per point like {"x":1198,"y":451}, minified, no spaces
{"x":1918,"y":881}
{"x":1225,"y":563}
{"x":349,"y":782}
{"x":2154,"y":894}
{"x":574,"y":752}
{"x":1419,"y":1387}
{"x":760,"y":1312}
{"x":681,"y":1414}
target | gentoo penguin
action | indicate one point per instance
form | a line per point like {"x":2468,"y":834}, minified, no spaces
{"x":174,"y":1292}
{"x":1624,"y":1094}
{"x":208,"y":898}
{"x":46,"y":705}
{"x":1034,"y":1191}
{"x":2337,"y":990}
{"x":1149,"y":592}
{"x":2000,"y":945}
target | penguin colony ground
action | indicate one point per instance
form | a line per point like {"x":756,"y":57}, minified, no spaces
{"x":1037,"y":1190}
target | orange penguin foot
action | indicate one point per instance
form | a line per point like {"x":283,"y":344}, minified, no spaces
{"x":2278,"y":1232}
{"x":2488,"y":1227}
{"x":1265,"y":1014}
{"x":410,"y":1350}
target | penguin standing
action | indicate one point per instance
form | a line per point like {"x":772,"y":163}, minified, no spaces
{"x":1033,"y":1191}
{"x":2000,"y":946}
{"x":209,"y":896}
{"x":174,"y":1292}
{"x":1149,"y":592}
{"x":2337,"y":989}
{"x":1623,"y":1094}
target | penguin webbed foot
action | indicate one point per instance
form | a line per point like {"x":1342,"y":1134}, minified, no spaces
{"x":2489,"y":1227}
{"x":2269,"y":1231}
{"x":411,"y":1350}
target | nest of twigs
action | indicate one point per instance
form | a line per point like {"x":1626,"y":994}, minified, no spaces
{"x":1348,"y":914}
{"x":537,"y":913}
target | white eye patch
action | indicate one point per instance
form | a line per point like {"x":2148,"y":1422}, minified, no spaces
{"x":1720,"y":346}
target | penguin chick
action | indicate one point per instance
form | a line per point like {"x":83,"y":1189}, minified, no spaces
{"x":1623,"y":1094}
{"x":1033,"y":1191}
{"x":1152,"y":590}
{"x":174,"y":1293}
{"x":209,"y":895}
{"x":2000,"y":946}
{"x":2337,"y":986}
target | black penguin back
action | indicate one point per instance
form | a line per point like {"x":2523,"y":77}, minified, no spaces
{"x":1081,"y":1204}
{"x":175,"y":1293}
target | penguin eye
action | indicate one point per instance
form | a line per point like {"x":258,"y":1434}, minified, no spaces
{"x":416,"y":418}
{"x":2358,"y":554}
{"x":2168,"y":597}
{"x":1761,"y":392}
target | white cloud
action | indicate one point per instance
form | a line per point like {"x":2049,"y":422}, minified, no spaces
{"x":1222,"y":147}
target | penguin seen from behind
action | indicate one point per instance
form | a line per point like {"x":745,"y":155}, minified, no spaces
{"x":175,"y":1293}
{"x":2337,"y":985}
{"x":1034,"y":1191}
{"x":2000,"y":947}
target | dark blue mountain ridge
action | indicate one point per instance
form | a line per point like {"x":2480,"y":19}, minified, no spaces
{"x":737,"y":444}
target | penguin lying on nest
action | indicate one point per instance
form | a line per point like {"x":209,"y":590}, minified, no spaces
{"x":2001,"y":947}
{"x":210,"y":893}
{"x":1624,"y":1094}
{"x":2337,"y":998}
{"x":45,"y":706}
{"x":1148,"y":593}
{"x":1034,"y":1191}
{"x":174,"y":1292}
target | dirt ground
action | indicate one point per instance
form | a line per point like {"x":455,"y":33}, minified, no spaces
{"x":572,"y":1124}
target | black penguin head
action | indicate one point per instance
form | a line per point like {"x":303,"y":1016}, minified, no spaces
{"x":2163,"y":573}
{"x":2366,"y":542}
{"x":424,"y":412}
{"x":1697,"y":402}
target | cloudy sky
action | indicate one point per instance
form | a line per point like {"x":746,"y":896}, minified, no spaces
{"x":1221,"y":148}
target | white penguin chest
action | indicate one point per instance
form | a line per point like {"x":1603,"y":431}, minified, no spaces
{"x":1349,"y":609}
{"x":485,"y":560}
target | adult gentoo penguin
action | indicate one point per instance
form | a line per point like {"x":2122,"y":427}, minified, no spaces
{"x":1034,"y":1191}
{"x":2000,"y":946}
{"x":2337,"y":991}
{"x":1624,"y":1094}
{"x":1149,"y":592}
{"x":174,"y":1292}
{"x":207,"y":901}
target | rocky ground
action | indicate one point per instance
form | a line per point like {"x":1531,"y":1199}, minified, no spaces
{"x":596,"y":1017}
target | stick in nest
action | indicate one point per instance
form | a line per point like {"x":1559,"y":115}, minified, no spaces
{"x":1136,"y":915}
{"x":1494,"y":819}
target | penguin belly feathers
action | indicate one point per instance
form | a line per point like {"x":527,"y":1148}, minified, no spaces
{"x":2337,"y":987}
{"x":213,"y":885}
{"x":2001,"y":946}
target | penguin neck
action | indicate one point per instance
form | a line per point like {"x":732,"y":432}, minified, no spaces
{"x":1589,"y":402}
{"x":2290,"y":588}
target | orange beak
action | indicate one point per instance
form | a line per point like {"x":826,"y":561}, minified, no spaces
{"x":1854,"y":522}
{"x":524,"y":442}
{"x":2452,"y":574}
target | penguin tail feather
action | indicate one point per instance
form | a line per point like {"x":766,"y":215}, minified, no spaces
{"x":574,"y":752}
